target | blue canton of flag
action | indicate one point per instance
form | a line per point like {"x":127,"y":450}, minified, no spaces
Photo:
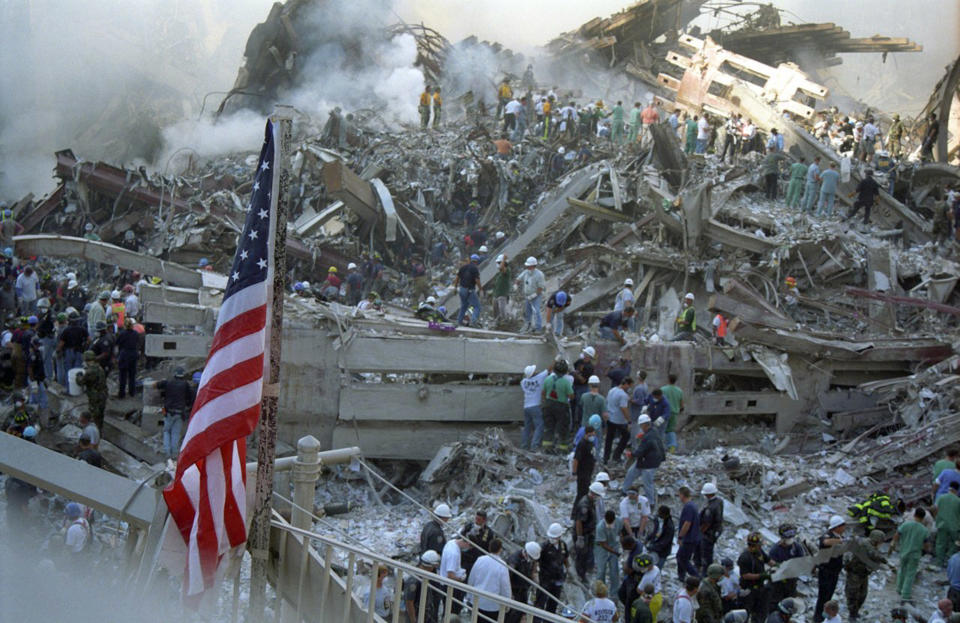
{"x":253,"y":247}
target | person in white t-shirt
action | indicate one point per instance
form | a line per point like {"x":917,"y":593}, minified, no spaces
{"x":683,"y":605}
{"x":78,"y":529}
{"x":703,"y":134}
{"x":831,"y":612}
{"x":635,"y":513}
{"x":600,"y":609}
{"x":532,"y":386}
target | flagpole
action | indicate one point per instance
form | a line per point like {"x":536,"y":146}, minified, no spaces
{"x":259,"y":544}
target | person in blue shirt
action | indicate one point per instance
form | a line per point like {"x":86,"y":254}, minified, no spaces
{"x":596,"y":423}
{"x":657,"y":406}
{"x":775,"y":142}
{"x":828,"y":190}
{"x":953,"y":576}
{"x":688,"y":534}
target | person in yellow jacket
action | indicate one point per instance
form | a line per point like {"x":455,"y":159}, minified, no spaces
{"x":437,"y":107}
{"x":547,"y":108}
{"x":424,"y":107}
{"x":504,"y":95}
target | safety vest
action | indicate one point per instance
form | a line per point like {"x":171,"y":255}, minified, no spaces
{"x":877,"y":505}
{"x":506,"y":91}
{"x":546,"y":108}
{"x":721,"y":326}
{"x":437,"y":101}
{"x":688,"y":318}
{"x":424,"y":99}
{"x":119,"y":310}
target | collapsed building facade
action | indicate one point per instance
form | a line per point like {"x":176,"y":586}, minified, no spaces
{"x":865,"y":355}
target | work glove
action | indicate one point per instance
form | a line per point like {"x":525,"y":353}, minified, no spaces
{"x":579,"y":542}
{"x":531,"y":297}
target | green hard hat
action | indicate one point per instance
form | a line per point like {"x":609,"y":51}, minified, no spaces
{"x":89,"y":355}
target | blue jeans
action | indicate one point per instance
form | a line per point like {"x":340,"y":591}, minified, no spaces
{"x":71,"y":359}
{"x":39,"y":397}
{"x":531,"y":312}
{"x":468,"y":298}
{"x":608,"y":566}
{"x":48,"y":344}
{"x":701,"y":147}
{"x":647,"y":476}
{"x":671,"y":440}
{"x":171,"y":434}
{"x":532,"y":424}
{"x":557,"y":321}
{"x":825,"y":207}
{"x":607,"y":333}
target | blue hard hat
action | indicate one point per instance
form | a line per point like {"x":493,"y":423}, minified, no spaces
{"x":595,"y":421}
{"x":33,"y":320}
{"x":474,"y":258}
{"x":561,"y":298}
{"x":203,"y":262}
{"x":72,"y":510}
{"x":442,"y":309}
{"x":7,"y":213}
{"x":197,"y":376}
{"x":298,"y":286}
{"x":8,"y":251}
{"x":29,"y":432}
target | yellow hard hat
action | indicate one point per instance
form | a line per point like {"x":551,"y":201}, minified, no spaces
{"x":155,"y":280}
{"x":332,"y":269}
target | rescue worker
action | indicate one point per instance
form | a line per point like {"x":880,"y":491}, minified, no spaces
{"x":874,"y":513}
{"x":94,"y":381}
{"x":504,"y":95}
{"x":178,"y":397}
{"x":786,"y":608}
{"x":783,"y":550}
{"x":810,"y":188}
{"x":19,"y":417}
{"x":431,"y":536}
{"x":864,"y":559}
{"x":719,"y":326}
{"x":437,"y":108}
{"x":424,"y":108}
{"x":711,"y":526}
{"x":754,"y":576}
{"x":828,"y":573}
{"x":798,"y":173}
{"x":607,"y":548}
{"x":584,"y":462}
{"x":490,"y":574}
{"x":634,"y":123}
{"x":686,"y":320}
{"x":617,"y":115}
{"x":478,"y":535}
{"x":894,"y":136}
{"x":128,"y":352}
{"x":412,"y":585}
{"x":554,"y":563}
{"x":556,"y":394}
{"x":948,"y":524}
{"x":585,"y":526}
{"x":523,"y":571}
{"x":650,"y":578}
{"x":708,"y":597}
{"x":911,"y":536}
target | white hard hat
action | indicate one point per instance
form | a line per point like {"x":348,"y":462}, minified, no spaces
{"x":71,"y":276}
{"x":430,"y":557}
{"x":597,"y":489}
{"x":561,"y":150}
{"x":432,"y":300}
{"x":306,"y":284}
{"x":602,"y":477}
{"x":709,"y":489}
{"x":442,"y":510}
{"x":554,"y":531}
{"x":643,"y":419}
{"x":351,"y":266}
{"x":71,"y":284}
{"x":499,"y":235}
{"x":593,"y":380}
{"x":688,"y":296}
{"x":529,"y":370}
{"x":628,"y":282}
{"x":836,"y":520}
{"x":531,"y":261}
{"x":499,"y":258}
{"x":115,"y":294}
{"x":533,"y":549}
{"x":483,"y":248}
{"x":590,"y":350}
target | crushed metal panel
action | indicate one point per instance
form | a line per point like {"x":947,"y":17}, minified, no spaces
{"x":777,"y":369}
{"x":782,"y":84}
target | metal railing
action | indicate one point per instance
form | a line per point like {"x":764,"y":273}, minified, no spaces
{"x":320,"y":586}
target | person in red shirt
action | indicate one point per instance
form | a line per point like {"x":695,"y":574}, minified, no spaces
{"x":331,"y":285}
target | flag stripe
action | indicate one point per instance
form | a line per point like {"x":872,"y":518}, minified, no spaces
{"x":207,"y":499}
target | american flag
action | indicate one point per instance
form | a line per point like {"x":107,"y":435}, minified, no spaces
{"x":207,"y":499}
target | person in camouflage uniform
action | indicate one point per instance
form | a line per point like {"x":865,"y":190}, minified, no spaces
{"x":711,"y":606}
{"x":864,"y":560}
{"x":94,"y":381}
